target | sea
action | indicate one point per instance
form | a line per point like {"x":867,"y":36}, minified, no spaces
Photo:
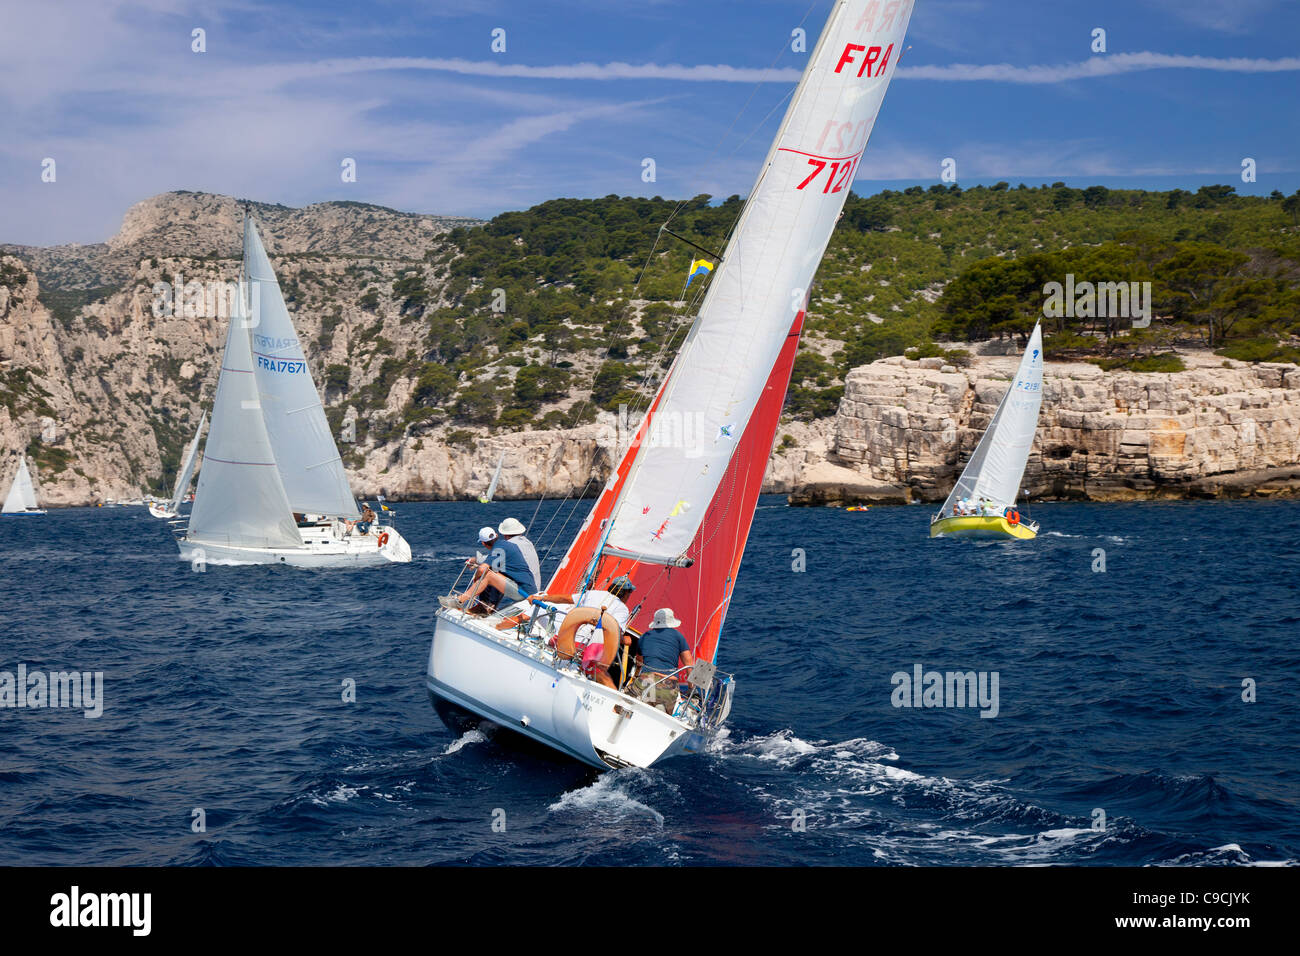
{"x":1137,"y":669}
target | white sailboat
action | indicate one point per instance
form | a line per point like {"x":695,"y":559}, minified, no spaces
{"x":492,"y":486}
{"x":983,"y":502}
{"x":172,"y":509}
{"x":674,"y":517}
{"x":273,"y":488}
{"x":20,"y":502}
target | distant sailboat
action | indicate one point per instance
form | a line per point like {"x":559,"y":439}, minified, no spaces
{"x":273,"y":488}
{"x":182,"y":487}
{"x":674,"y":516}
{"x":983,"y":502}
{"x":20,"y":502}
{"x":496,"y":477}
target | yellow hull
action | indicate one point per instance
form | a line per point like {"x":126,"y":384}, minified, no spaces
{"x":974,"y":526}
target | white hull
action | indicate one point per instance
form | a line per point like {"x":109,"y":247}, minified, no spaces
{"x":161,"y":511}
{"x":320,"y":550}
{"x":23,"y":514}
{"x":517,"y":685}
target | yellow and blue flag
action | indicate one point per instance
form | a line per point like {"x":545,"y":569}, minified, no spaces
{"x":699,"y":267}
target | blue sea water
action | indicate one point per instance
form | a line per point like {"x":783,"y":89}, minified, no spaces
{"x":1119,"y":692}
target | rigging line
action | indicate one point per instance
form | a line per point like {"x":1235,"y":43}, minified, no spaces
{"x":695,"y":245}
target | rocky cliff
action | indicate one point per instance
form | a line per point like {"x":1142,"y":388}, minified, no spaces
{"x":1221,"y":428}
{"x":103,"y":393}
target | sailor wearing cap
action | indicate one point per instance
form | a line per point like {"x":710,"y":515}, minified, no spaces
{"x":512,"y":570}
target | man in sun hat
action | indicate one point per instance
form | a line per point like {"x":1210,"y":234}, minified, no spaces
{"x":512,"y":530}
{"x":508,"y":571}
{"x":664,"y":658}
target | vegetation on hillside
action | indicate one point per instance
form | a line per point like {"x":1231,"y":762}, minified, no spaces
{"x":546,"y":287}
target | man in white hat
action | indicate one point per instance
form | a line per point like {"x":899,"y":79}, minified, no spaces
{"x":513,"y":531}
{"x":664,"y":658}
{"x":509,"y":570}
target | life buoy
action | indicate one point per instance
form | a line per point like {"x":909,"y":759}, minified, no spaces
{"x":383,"y":539}
{"x":1013,"y":517}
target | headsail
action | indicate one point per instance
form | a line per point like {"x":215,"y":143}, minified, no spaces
{"x":22,"y":495}
{"x":998,"y":463}
{"x":187,"y":469}
{"x":308,"y":459}
{"x":240,"y":500}
{"x":762,"y":282}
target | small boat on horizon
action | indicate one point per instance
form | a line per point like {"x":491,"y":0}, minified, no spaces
{"x":20,"y":502}
{"x":983,"y":502}
{"x":180,"y":492}
{"x":486,"y":498}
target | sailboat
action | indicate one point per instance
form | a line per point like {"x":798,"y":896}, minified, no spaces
{"x":172,"y":508}
{"x":496,"y":477}
{"x":273,"y":488}
{"x":674,"y":516}
{"x":983,"y":502}
{"x":20,"y":502}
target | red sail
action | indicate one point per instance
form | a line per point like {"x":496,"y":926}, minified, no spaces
{"x":700,"y":594}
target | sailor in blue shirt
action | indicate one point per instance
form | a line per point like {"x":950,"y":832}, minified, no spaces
{"x":665,"y":659}
{"x":508,"y":570}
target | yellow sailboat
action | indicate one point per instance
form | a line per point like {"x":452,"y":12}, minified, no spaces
{"x":983,"y":502}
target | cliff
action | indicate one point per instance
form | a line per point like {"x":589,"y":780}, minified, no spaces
{"x":1221,"y":428}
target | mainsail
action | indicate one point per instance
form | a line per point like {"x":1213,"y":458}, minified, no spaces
{"x":676,"y":514}
{"x":998,"y":463}
{"x":240,"y":500}
{"x":309,"y":462}
{"x":187,"y":469}
{"x":22,"y":496}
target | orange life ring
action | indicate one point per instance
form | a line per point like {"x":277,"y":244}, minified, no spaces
{"x":383,"y":539}
{"x":1013,"y":518}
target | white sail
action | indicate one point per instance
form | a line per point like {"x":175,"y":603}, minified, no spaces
{"x":187,"y":469}
{"x":995,"y":469}
{"x":762,"y":281}
{"x":240,"y":501}
{"x":496,"y":476}
{"x":22,"y":496}
{"x":309,"y":462}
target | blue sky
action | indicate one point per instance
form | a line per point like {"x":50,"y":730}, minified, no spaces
{"x":587,"y":89}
